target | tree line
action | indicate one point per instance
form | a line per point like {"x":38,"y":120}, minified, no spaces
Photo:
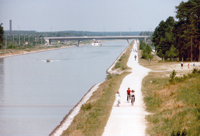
{"x":180,"y":38}
{"x":33,"y":38}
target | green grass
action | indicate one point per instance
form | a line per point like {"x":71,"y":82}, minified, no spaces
{"x":122,"y":62}
{"x":174,"y":107}
{"x":93,"y":116}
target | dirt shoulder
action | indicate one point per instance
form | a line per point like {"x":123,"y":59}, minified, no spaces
{"x":174,"y":106}
{"x":167,"y":67}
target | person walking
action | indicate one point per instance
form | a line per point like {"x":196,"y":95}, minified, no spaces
{"x":117,"y":97}
{"x":135,"y":57}
{"x":132,"y":97}
{"x":182,"y":65}
{"x":128,"y":94}
{"x":188,"y":65}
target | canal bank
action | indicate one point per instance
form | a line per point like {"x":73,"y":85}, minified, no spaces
{"x":24,"y":52}
{"x":32,"y":90}
{"x":69,"y":118}
{"x":128,"y":119}
{"x":93,"y":102}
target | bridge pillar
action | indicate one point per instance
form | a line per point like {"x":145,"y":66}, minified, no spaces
{"x":47,"y":42}
{"x":78,"y":43}
{"x":128,"y":41}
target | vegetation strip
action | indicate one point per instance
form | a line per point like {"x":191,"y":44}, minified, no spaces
{"x":69,"y":118}
{"x":172,"y":101}
{"x":180,"y":37}
{"x":94,"y":114}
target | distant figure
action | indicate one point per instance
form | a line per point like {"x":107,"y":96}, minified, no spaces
{"x":188,"y":65}
{"x":117,"y":96}
{"x":182,"y":65}
{"x":135,"y":57}
{"x":128,"y":94}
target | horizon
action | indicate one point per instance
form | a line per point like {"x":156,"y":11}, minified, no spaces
{"x":87,"y":15}
{"x":80,"y":31}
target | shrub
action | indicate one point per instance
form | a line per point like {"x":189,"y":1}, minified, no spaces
{"x":172,"y":76}
{"x":179,"y":133}
{"x":109,"y":77}
{"x":117,"y":65}
{"x":86,"y":106}
{"x":195,"y":70}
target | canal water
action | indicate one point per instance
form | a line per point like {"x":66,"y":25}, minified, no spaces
{"x":36,"y":95}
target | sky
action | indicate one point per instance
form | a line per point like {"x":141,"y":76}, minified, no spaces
{"x":86,"y":15}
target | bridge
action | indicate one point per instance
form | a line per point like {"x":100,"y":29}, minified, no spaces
{"x":49,"y":39}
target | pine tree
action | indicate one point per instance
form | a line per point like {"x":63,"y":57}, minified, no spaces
{"x":1,"y":35}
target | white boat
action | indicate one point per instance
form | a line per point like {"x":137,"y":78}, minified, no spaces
{"x":96,"y":43}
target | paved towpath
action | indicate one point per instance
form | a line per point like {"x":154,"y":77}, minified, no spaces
{"x":128,"y":120}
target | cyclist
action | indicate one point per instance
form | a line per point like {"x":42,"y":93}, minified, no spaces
{"x":128,"y":94}
{"x":132,"y":97}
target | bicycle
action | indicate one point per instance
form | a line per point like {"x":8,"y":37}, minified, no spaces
{"x":132,"y":99}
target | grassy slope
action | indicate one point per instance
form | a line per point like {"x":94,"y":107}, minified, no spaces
{"x":173,"y":107}
{"x":93,"y":115}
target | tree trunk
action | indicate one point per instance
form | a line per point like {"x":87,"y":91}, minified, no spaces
{"x":179,"y":46}
{"x":199,"y":52}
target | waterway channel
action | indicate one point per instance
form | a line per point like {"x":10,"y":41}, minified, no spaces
{"x":35,"y":95}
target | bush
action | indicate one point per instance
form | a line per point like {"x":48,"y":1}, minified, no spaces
{"x":109,"y":76}
{"x":195,"y":70}
{"x":86,"y":106}
{"x":179,"y":133}
{"x":172,"y":79}
{"x":146,"y":51}
{"x":117,"y":65}
{"x":172,"y":76}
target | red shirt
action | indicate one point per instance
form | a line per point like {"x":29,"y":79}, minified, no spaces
{"x":128,"y":91}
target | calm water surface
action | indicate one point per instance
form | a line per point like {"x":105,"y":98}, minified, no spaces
{"x":36,"y":95}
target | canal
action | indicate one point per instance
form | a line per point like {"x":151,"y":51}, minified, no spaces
{"x":35,"y":95}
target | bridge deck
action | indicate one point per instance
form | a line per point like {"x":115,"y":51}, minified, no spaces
{"x":94,"y":37}
{"x":48,"y":39}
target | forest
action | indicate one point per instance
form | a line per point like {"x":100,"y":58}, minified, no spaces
{"x":180,"y":38}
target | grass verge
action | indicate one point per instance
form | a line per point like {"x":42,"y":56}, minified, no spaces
{"x":175,"y":106}
{"x":121,"y":63}
{"x":93,"y":116}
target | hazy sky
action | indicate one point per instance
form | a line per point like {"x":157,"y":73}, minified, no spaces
{"x":86,"y":15}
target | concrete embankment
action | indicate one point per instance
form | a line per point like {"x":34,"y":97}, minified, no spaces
{"x":64,"y":124}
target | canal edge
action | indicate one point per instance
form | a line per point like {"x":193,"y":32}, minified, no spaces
{"x":67,"y":120}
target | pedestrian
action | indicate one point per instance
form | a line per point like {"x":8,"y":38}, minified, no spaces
{"x":188,"y":65}
{"x":135,"y":57}
{"x":128,"y":94}
{"x":132,"y":97}
{"x":182,"y":65}
{"x":117,"y":97}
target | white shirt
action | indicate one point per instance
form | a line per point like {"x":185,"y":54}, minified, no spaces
{"x":117,"y":96}
{"x":132,"y":93}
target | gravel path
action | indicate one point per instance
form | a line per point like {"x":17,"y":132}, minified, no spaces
{"x":128,"y":120}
